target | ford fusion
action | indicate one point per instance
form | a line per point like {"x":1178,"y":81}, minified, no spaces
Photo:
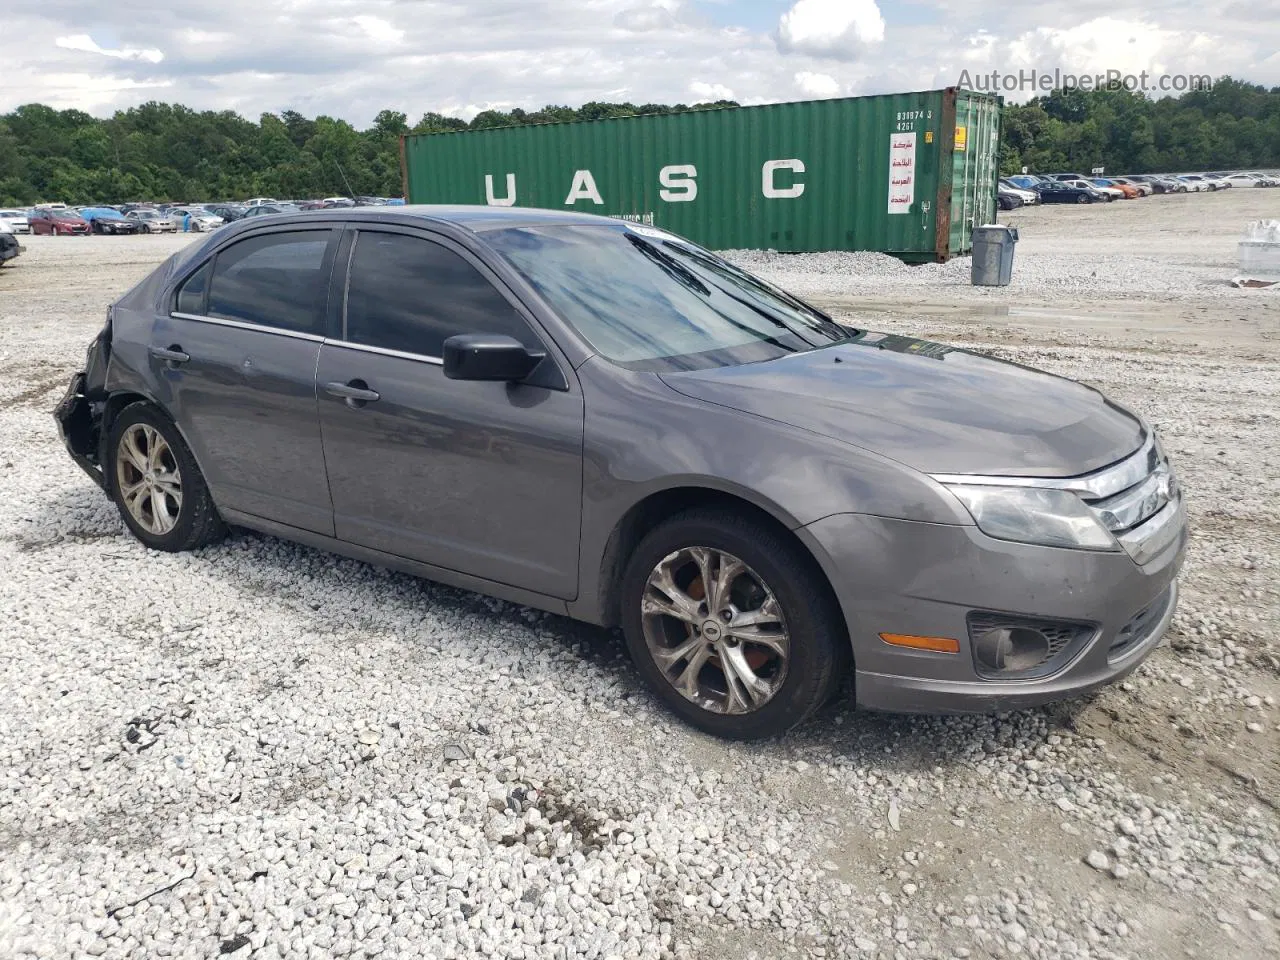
{"x":603,"y":420}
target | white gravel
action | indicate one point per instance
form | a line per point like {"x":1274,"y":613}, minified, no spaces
{"x":262,"y":750}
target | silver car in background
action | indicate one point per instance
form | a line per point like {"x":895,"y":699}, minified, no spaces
{"x":606,"y":421}
{"x":153,"y":221}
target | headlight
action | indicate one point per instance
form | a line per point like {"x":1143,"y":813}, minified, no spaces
{"x":1052,"y":518}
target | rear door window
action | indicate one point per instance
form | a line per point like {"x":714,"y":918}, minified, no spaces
{"x":276,"y":280}
{"x":409,"y":294}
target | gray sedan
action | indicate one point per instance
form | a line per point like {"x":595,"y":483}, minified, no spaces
{"x":603,"y":420}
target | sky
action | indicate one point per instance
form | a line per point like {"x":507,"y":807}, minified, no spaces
{"x":353,"y":58}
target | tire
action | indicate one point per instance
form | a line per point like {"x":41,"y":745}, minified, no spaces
{"x":159,"y":518}
{"x":1084,"y":198}
{"x":779,"y":583}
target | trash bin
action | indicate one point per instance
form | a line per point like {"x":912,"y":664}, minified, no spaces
{"x":993,"y":255}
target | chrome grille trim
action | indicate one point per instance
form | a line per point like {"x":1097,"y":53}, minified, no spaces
{"x":1152,"y":538}
{"x":1099,"y":485}
{"x":1131,"y":507}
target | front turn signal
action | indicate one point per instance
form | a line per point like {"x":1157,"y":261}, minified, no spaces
{"x":935,"y":644}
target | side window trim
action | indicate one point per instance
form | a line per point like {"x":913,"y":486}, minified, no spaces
{"x":255,"y":327}
{"x":384,"y":351}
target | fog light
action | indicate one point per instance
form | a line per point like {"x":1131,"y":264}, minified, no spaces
{"x":1011,"y":649}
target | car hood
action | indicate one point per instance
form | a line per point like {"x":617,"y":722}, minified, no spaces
{"x":935,"y":408}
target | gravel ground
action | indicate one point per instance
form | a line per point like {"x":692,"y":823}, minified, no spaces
{"x":262,"y":750}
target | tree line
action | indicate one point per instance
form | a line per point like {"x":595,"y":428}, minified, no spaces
{"x":160,"y":151}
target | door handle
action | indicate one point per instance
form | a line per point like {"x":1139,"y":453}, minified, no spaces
{"x":355,"y":392}
{"x":173,"y":354}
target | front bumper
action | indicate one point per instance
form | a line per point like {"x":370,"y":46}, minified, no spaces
{"x":923,"y":579}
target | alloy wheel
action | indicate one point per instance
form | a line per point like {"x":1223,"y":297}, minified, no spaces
{"x":715,"y":630}
{"x":148,"y":479}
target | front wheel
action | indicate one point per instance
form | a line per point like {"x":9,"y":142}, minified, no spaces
{"x":732,"y":624}
{"x":156,"y":484}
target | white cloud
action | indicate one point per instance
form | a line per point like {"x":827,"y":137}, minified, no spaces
{"x":710,"y":91}
{"x":378,"y":29}
{"x":314,"y":56}
{"x":1092,"y":48}
{"x":817,"y":85}
{"x":840,"y":29}
{"x":85,"y":44}
{"x":650,"y":16}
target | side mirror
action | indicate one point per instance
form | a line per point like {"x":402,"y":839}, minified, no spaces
{"x":488,"y":357}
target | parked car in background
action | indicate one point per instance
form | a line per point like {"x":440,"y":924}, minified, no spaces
{"x":1024,"y":194}
{"x":269,"y":209}
{"x":197,"y":219}
{"x":337,"y":203}
{"x":229,"y":212}
{"x":1219,"y":181}
{"x":1112,"y":190}
{"x":108,"y":220}
{"x":1144,"y":189}
{"x":1236,"y":179}
{"x":1196,"y":183}
{"x":16,"y":220}
{"x":153,"y":221}
{"x":9,"y":245}
{"x":58,"y":222}
{"x":1064,"y":177}
{"x":1076,"y":191}
{"x":1026,"y":181}
{"x":956,"y":531}
{"x":259,"y":201}
{"x":1161,"y":184}
{"x":1007,"y":199}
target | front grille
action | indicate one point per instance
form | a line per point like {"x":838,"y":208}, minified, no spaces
{"x":1138,"y":630}
{"x":1063,"y":639}
{"x":1137,"y":500}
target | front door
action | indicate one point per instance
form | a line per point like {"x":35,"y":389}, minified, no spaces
{"x":481,"y":478}
{"x":237,"y":355}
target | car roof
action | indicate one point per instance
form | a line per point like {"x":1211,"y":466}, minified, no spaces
{"x":478,"y":218}
{"x":473,"y":219}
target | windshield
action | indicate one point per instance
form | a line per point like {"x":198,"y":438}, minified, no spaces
{"x":650,"y":301}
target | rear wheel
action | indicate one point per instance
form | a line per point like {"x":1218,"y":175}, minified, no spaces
{"x":732,"y":624}
{"x":1084,"y":198}
{"x":156,"y":484}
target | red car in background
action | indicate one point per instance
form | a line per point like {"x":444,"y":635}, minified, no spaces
{"x":58,"y":223}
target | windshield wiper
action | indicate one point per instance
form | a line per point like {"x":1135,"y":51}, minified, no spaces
{"x":670,"y":266}
{"x":744,"y":282}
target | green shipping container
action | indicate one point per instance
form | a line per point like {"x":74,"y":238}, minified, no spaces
{"x":909,"y":174}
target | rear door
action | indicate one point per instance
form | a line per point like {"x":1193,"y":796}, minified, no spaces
{"x":480,"y":478}
{"x":237,"y":356}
